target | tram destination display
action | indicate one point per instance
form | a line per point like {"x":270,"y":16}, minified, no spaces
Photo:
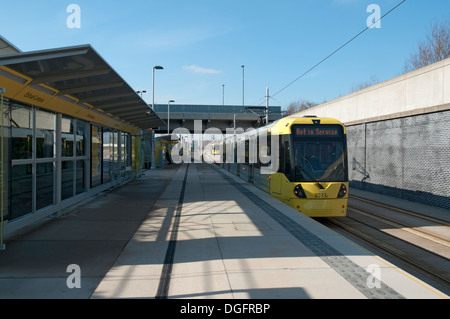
{"x":321,"y":131}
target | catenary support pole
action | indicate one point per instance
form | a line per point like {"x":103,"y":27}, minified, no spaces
{"x":267,"y":105}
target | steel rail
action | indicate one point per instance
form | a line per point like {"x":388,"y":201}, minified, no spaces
{"x":382,"y":246}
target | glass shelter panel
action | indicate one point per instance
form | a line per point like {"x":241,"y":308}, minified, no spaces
{"x":87,"y":153}
{"x":45,"y":134}
{"x":21,"y":118}
{"x":96,"y":156}
{"x":107,"y":155}
{"x":80,"y":138}
{"x":114,"y":151}
{"x":123,"y":150}
{"x":44,"y":185}
{"x":21,"y":198}
{"x":67,"y":136}
{"x":67,"y":171}
{"x":80,"y":178}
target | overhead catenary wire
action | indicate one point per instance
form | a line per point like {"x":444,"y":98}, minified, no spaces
{"x":337,"y":50}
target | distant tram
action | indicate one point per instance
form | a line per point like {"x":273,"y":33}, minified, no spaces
{"x":311,"y":174}
{"x":216,"y":149}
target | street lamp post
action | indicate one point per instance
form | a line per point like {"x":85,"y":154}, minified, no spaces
{"x":242,"y":66}
{"x":168,"y":116}
{"x":141,"y":92}
{"x":267,"y":105}
{"x":157,"y":67}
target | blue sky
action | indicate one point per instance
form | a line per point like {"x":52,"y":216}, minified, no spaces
{"x":202,"y":43}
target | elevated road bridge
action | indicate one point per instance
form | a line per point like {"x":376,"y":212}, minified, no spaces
{"x":222,"y":117}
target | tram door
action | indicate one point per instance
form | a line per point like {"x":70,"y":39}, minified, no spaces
{"x":275,"y":184}
{"x":251,"y":173}
{"x":278,"y":179}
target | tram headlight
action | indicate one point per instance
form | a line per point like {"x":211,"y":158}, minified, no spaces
{"x":342,"y":191}
{"x":299,"y":192}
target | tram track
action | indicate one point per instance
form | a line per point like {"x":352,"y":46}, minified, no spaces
{"x":416,"y":242}
{"x":414,"y":228}
{"x":400,"y":210}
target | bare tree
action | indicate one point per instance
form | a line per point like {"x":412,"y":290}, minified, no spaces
{"x":434,"y":48}
{"x":298,"y":106}
{"x":362,"y":85}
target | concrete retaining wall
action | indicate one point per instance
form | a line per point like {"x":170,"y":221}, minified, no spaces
{"x":408,"y":158}
{"x":422,"y":91}
{"x":399,"y":135}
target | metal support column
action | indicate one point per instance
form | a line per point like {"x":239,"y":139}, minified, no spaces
{"x":2,"y":244}
{"x":58,"y":163}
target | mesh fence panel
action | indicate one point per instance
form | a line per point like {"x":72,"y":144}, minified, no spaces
{"x":407,"y":158}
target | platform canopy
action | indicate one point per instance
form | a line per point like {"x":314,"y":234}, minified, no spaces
{"x":7,"y":47}
{"x":80,"y":74}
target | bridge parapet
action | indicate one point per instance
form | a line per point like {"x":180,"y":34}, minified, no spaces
{"x":214,"y":116}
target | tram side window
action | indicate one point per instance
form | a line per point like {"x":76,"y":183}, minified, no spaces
{"x":240,"y":152}
{"x":224,"y":152}
{"x":287,"y":160}
{"x":253,"y":149}
{"x":247,"y":150}
{"x":281,"y":157}
{"x":264,"y":152}
{"x":257,"y":153}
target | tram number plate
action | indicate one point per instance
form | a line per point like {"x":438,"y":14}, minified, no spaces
{"x":320,"y":195}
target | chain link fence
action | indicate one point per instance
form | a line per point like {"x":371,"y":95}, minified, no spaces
{"x":408,"y":158}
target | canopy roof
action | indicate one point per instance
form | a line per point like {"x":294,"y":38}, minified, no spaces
{"x":7,"y":47}
{"x":81,"y":73}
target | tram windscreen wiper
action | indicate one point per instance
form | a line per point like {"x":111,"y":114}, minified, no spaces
{"x":299,"y":167}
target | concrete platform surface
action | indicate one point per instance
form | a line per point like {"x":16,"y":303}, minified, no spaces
{"x":194,"y":231}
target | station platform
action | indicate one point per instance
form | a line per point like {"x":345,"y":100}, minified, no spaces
{"x":194,"y":231}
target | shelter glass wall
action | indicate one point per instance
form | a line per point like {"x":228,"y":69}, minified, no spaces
{"x":73,"y":156}
{"x":51,"y":158}
{"x":107,"y":155}
{"x":96,"y":155}
{"x":21,"y":124}
{"x":32,"y":166}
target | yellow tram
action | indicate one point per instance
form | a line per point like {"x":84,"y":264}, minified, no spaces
{"x":216,"y":149}
{"x":300,"y":161}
